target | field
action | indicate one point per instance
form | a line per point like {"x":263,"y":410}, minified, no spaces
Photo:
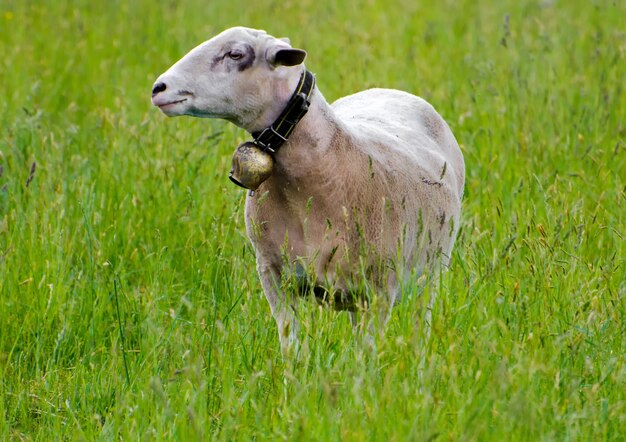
{"x":129,"y":304}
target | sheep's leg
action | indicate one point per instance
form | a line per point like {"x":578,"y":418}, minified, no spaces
{"x":386,"y":303}
{"x":433,"y":291}
{"x":282,"y":310}
{"x":353,"y":319}
{"x":374,"y":317}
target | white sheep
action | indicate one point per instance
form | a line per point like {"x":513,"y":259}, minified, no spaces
{"x":365,"y":193}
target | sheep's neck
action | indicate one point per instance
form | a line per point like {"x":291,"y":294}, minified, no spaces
{"x":275,"y":135}
{"x":308,"y":151}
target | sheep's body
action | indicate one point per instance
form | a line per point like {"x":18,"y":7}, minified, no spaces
{"x":368,"y":187}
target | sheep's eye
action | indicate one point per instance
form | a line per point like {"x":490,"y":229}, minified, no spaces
{"x":235,"y":55}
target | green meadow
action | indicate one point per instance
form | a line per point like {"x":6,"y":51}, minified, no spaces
{"x":130,"y":308}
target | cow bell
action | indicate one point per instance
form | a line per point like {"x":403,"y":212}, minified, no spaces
{"x":251,"y":166}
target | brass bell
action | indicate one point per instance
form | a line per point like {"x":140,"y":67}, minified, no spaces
{"x":251,"y":166}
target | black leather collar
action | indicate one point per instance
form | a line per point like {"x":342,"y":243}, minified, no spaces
{"x":273,"y":137}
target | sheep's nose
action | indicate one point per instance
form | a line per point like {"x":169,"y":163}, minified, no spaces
{"x":159,"y":87}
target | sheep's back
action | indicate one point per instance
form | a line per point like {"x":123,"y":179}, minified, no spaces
{"x":403,"y":131}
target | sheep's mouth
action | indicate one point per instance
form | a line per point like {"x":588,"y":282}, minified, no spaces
{"x":170,"y":103}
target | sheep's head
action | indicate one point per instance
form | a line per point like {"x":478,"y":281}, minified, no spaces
{"x":242,"y":75}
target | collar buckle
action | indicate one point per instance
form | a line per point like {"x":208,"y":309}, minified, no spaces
{"x":263,"y":135}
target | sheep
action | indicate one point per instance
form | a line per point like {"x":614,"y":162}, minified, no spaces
{"x":364,"y":193}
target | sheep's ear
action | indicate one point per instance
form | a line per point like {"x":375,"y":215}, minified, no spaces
{"x":282,"y":56}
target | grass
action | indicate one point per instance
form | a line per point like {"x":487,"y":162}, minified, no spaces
{"x":129,"y":308}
